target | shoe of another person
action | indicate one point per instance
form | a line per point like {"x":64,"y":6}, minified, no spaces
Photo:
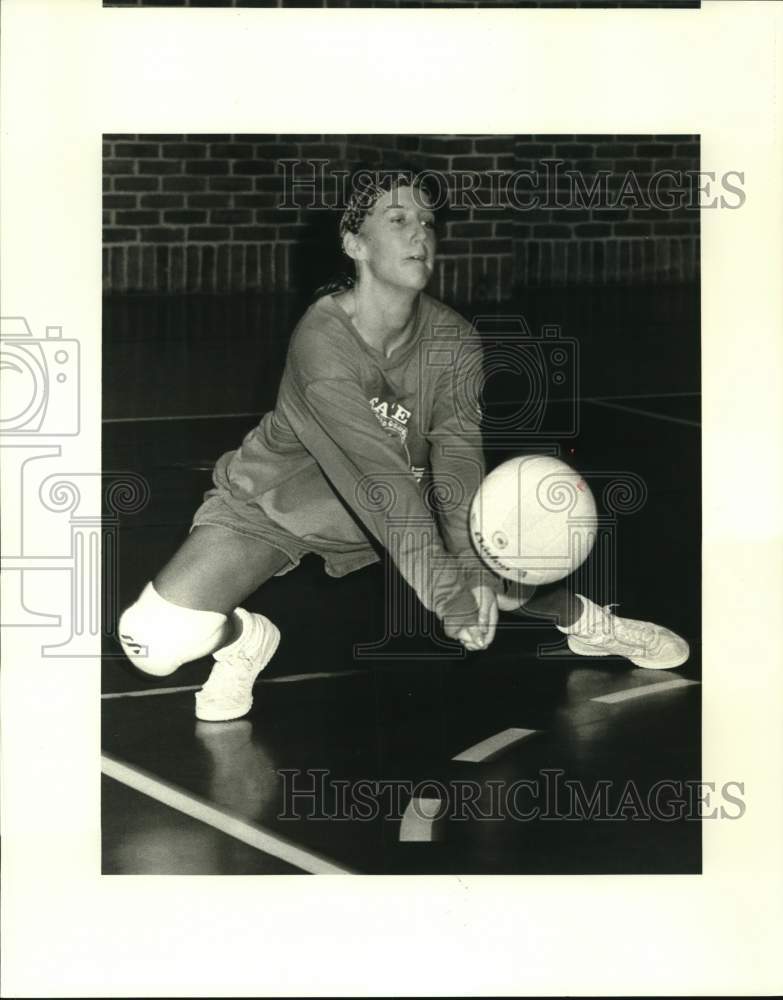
{"x":228,"y":692}
{"x":600,"y":632}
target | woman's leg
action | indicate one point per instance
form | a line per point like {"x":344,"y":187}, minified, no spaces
{"x":215,"y":569}
{"x":186,"y":612}
{"x":557,"y":603}
{"x":554,"y":602}
{"x":596,"y":631}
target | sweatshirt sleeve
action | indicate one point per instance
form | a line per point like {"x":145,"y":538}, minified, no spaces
{"x":457,"y":453}
{"x":367,"y":468}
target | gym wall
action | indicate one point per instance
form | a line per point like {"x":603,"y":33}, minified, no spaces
{"x":201,"y":213}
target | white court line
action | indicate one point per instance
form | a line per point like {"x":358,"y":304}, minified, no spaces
{"x":146,"y":692}
{"x":643,"y":413}
{"x":644,"y":690}
{"x":419,"y":819}
{"x":308,"y":677}
{"x":647,"y":395}
{"x":495,"y":745}
{"x":232,"y":826}
{"x":183,"y":416}
{"x":291,"y":678}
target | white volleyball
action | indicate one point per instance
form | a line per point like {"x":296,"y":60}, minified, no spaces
{"x":533,"y":519}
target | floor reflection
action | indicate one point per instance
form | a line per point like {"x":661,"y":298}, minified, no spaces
{"x":242,"y":773}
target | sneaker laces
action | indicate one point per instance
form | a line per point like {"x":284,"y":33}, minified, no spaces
{"x":226,"y":680}
{"x":625,"y":629}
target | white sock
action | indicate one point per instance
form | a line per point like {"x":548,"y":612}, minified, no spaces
{"x":246,"y":634}
{"x":235,"y":641}
{"x":586,"y":624}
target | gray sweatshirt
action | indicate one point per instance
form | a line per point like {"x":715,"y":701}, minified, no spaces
{"x":393,"y":444}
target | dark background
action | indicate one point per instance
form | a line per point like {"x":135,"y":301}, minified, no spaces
{"x":202,"y":268}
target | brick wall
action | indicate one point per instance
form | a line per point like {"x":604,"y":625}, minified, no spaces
{"x":186,"y":213}
{"x":626,"y":237}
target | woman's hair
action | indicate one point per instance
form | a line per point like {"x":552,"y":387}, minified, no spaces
{"x":368,"y":184}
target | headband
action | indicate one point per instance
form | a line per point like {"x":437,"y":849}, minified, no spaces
{"x":372,"y":185}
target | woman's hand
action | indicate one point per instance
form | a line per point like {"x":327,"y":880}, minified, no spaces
{"x":480,"y":636}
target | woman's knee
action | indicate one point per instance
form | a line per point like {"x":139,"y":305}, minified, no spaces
{"x":182,"y":614}
{"x":159,"y":636}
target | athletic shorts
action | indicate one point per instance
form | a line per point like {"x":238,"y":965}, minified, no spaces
{"x":340,"y":557}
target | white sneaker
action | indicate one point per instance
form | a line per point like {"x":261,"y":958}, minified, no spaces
{"x":228,"y":693}
{"x":643,"y":643}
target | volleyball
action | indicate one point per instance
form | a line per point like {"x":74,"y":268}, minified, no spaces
{"x":533,"y":520}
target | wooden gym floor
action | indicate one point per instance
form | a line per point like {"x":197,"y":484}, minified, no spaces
{"x":515,"y":729}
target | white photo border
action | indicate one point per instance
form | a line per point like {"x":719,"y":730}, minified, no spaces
{"x":72,"y":71}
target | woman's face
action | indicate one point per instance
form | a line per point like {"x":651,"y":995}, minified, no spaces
{"x":396,"y":242}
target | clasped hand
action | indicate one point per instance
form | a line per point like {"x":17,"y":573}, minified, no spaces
{"x":479,"y":633}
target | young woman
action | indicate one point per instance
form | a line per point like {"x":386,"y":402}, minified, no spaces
{"x":369,"y":424}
